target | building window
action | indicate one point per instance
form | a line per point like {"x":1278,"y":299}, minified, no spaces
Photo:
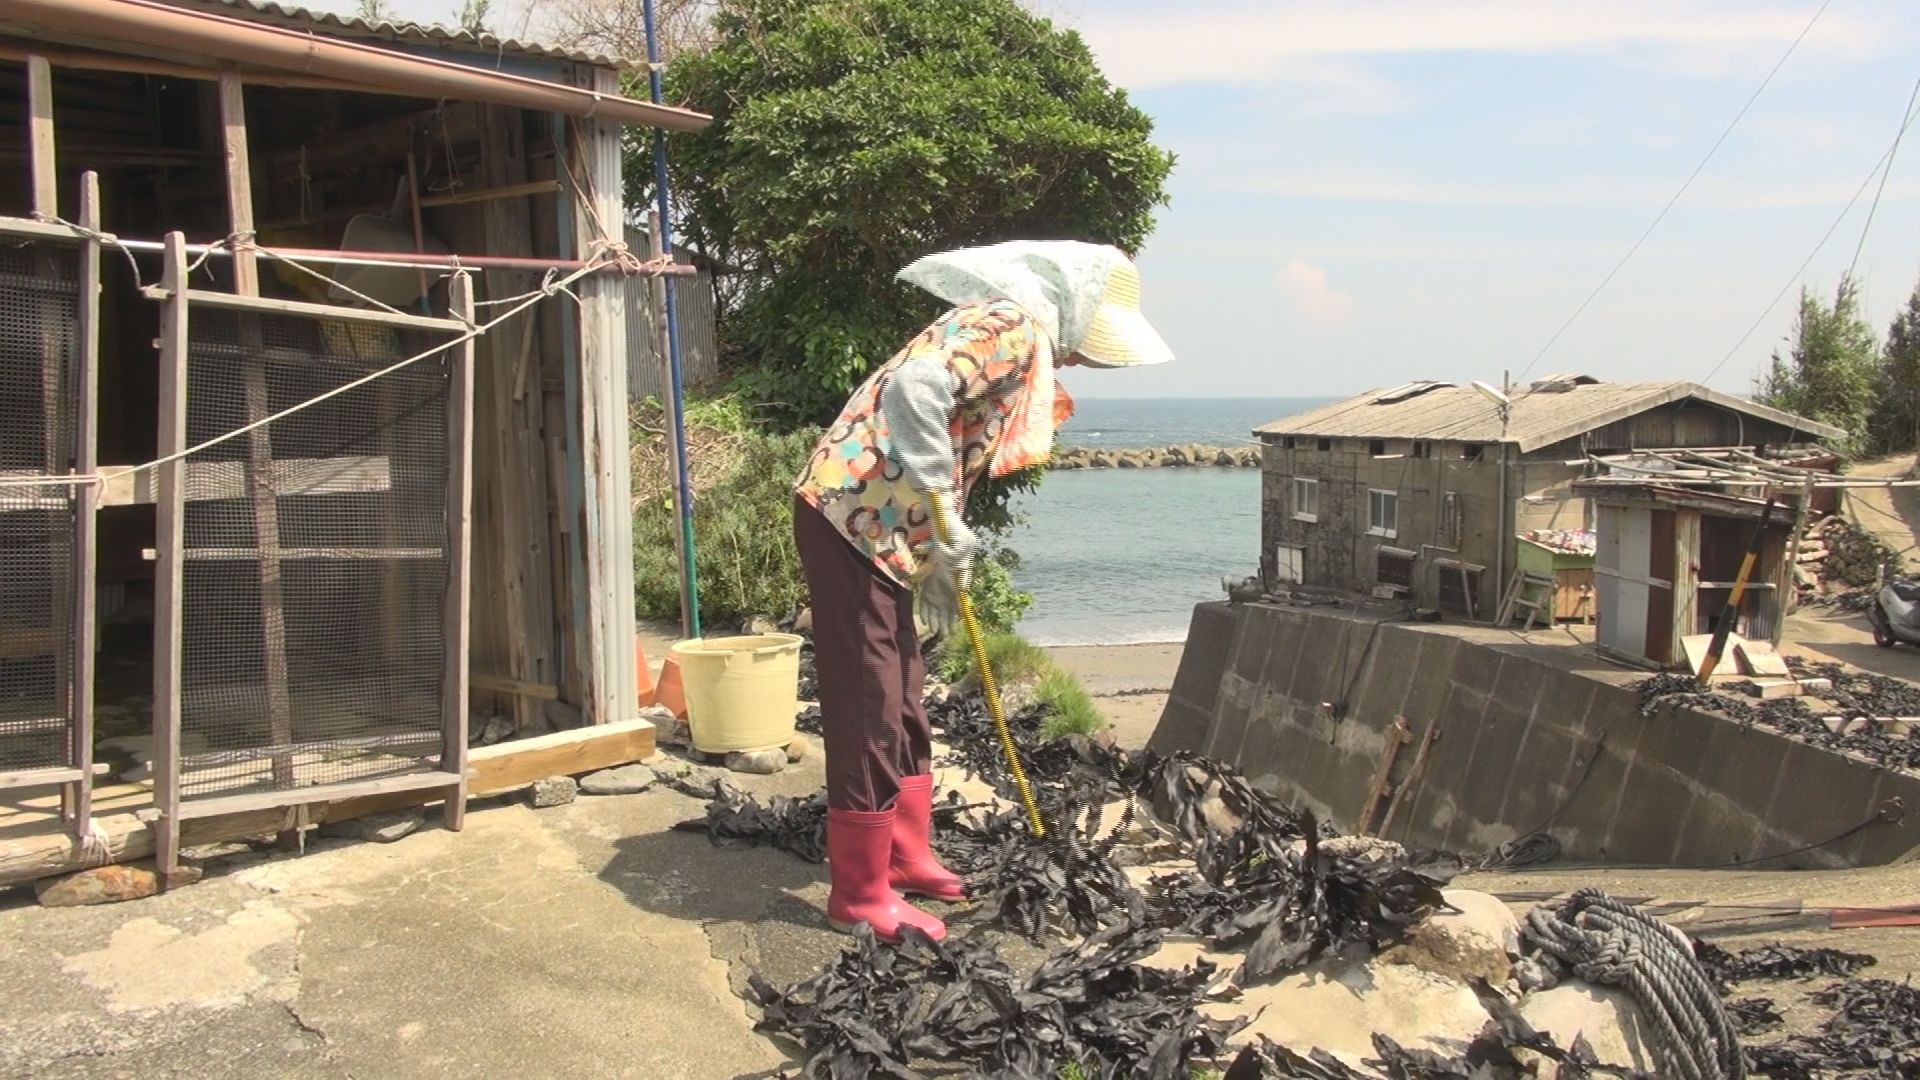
{"x":1292,"y":443}
{"x":1471,"y":451}
{"x":1306,"y":499}
{"x":1422,"y":448}
{"x":1326,"y":445}
{"x":1392,"y":566}
{"x":1289,"y":564}
{"x":1450,"y":519}
{"x":1377,"y":447}
{"x":1383,"y":513}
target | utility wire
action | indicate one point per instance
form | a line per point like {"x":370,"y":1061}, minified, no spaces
{"x":1882,"y":189}
{"x":1885,"y":161}
{"x":1691,"y":177}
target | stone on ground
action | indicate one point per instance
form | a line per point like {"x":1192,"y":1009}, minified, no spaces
{"x":624,"y":780}
{"x":489,"y":731}
{"x":1608,"y":1019}
{"x":553,"y":791}
{"x":797,"y":750}
{"x":758,"y":762}
{"x":1478,"y":941}
{"x":382,"y":828}
{"x":107,"y":885}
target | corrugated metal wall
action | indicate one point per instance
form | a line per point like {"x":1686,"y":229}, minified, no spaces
{"x":699,"y":349}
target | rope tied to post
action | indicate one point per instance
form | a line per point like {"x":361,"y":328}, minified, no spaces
{"x":1603,"y":941}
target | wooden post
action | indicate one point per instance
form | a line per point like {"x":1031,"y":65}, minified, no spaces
{"x":1784,"y":591}
{"x":45,"y":177}
{"x":662,"y":336}
{"x":79,"y":797}
{"x":453,"y":757}
{"x":266,"y":512}
{"x":169,"y":512}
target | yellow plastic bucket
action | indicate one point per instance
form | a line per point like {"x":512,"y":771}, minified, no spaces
{"x":742,"y":692}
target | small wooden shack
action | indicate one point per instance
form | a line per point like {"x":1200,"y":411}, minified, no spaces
{"x":313,"y":408}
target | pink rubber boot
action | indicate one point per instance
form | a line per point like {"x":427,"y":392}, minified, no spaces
{"x":858,"y":846}
{"x":916,"y":869}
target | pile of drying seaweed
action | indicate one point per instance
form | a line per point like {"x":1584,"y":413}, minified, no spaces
{"x":1093,"y":1007}
{"x":797,"y":826}
{"x":1776,"y":962}
{"x":1873,"y":1031}
{"x":1854,"y":693}
{"x":808,"y":720}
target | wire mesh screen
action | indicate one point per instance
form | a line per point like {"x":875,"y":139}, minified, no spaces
{"x":315,"y":556}
{"x":39,"y":302}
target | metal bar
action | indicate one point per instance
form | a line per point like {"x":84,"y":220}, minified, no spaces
{"x":269,"y":800}
{"x":85,"y":532}
{"x":169,"y":516}
{"x":663,"y":345}
{"x":459,"y":599}
{"x":689,"y":582}
{"x":271,"y":306}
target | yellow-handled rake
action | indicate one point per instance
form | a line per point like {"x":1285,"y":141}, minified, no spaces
{"x":988,"y":687}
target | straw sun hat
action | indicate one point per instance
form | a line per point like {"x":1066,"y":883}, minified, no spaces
{"x":1119,"y":335}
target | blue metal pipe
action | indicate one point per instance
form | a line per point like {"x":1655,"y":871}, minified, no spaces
{"x":689,"y":580}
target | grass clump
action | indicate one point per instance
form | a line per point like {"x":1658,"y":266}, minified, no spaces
{"x":1071,"y":709}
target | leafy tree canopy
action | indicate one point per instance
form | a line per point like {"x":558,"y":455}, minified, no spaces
{"x":1832,"y":372}
{"x":853,"y":136}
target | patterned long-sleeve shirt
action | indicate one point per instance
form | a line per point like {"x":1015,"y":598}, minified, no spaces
{"x":858,"y":476}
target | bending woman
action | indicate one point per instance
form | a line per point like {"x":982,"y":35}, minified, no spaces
{"x":973,"y":395}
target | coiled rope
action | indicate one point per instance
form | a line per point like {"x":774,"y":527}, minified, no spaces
{"x":1605,"y":941}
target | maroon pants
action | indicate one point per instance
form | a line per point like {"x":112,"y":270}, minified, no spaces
{"x":871,"y":675}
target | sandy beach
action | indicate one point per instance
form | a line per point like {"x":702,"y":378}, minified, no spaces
{"x":1130,"y":683}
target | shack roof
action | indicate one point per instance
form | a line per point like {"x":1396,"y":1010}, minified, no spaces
{"x":401,"y":31}
{"x":1542,"y":415}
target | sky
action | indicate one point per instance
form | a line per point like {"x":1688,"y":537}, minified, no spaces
{"x":1373,"y":191}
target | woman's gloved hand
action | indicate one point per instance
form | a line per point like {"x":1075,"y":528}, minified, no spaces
{"x":950,"y":566}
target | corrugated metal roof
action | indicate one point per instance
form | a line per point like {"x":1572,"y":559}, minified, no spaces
{"x":270,"y":13}
{"x":1538,"y":419}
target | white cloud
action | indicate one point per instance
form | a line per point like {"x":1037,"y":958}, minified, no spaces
{"x":1246,"y":42}
{"x":1305,"y":286}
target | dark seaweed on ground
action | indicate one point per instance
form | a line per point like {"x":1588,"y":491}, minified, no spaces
{"x":1776,"y":962}
{"x":878,"y":1009}
{"x":1755,"y":1015}
{"x":1874,"y":1031}
{"x":796,"y":826}
{"x":1855,"y":693}
{"x":808,"y":720}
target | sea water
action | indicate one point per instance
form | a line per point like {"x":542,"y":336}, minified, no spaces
{"x":1119,"y":556}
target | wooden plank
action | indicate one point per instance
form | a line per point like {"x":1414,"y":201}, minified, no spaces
{"x":266,"y":511}
{"x":44,"y":172}
{"x":30,"y":778}
{"x":500,"y":684}
{"x":459,"y":598}
{"x":1398,"y":736}
{"x":169,"y":516}
{"x":349,"y":474}
{"x":274,"y":306}
{"x":79,"y":795}
{"x":127,"y":838}
{"x":1758,"y":658}
{"x":1414,"y":773}
{"x":319,"y":793}
{"x":1694,"y":648}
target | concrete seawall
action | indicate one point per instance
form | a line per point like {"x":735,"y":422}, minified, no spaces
{"x":1532,"y":736}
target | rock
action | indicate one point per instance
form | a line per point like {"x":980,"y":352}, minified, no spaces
{"x":381,"y":828}
{"x":1224,"y":459}
{"x":1218,"y":817}
{"x":489,"y":730}
{"x":797,"y":750}
{"x":1250,"y":458}
{"x":561,"y":716}
{"x":803,"y":622}
{"x":1129,"y":460}
{"x":553,"y":791}
{"x":758,"y":762}
{"x":759,"y":625}
{"x":1607,"y":1018}
{"x":1369,"y":848}
{"x":1102,"y":460}
{"x":1478,"y":941}
{"x":624,"y":780}
{"x":1337,"y":1003}
{"x":107,"y":885}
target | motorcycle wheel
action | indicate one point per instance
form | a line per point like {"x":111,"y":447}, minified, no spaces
{"x":1882,"y":634}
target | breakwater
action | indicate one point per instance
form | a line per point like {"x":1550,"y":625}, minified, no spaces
{"x":1192,"y":456}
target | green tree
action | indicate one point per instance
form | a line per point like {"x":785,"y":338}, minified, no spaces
{"x":1832,"y":372}
{"x":375,"y":10}
{"x":473,"y":16}
{"x":852,"y":136}
{"x":1896,"y":414}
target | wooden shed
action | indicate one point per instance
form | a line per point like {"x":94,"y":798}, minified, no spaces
{"x":313,"y":403}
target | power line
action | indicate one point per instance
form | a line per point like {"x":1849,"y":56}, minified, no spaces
{"x":1691,"y":177}
{"x":1885,"y":161}
{"x":1882,"y":189}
